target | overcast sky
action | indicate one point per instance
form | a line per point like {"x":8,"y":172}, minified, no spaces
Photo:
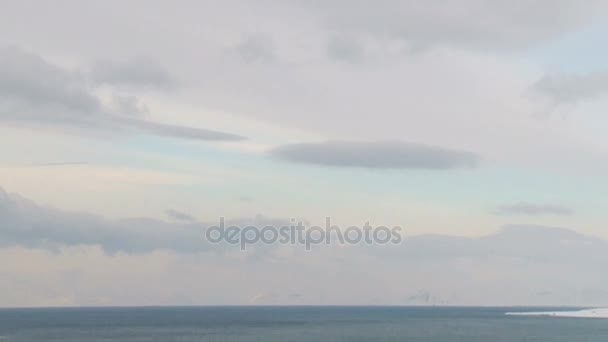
{"x":474,"y":125}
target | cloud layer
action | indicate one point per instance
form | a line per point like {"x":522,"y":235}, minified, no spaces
{"x":25,"y":223}
{"x":522,"y":264}
{"x":553,"y":261}
{"x":376,"y":155}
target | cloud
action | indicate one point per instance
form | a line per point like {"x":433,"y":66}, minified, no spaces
{"x":138,"y":72}
{"x":517,"y":265}
{"x":256,"y":48}
{"x":168,"y":130}
{"x":475,"y":24}
{"x":30,"y":83}
{"x":128,"y":105}
{"x":344,"y":48}
{"x":375,"y":155}
{"x":28,"y":224}
{"x":572,"y":88}
{"x":36,"y":93}
{"x":303,"y":90}
{"x":528,"y":209}
{"x":179,"y":216}
{"x":25,"y":223}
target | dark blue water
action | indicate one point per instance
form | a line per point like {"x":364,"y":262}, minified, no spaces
{"x":269,"y":324}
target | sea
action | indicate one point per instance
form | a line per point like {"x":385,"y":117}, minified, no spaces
{"x":298,"y":323}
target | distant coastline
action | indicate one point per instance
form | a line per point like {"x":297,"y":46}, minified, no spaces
{"x":587,"y":313}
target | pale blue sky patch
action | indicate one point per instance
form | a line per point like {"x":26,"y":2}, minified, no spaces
{"x":580,"y":51}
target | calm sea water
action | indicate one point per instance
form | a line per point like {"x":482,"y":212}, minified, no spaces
{"x":269,"y":324}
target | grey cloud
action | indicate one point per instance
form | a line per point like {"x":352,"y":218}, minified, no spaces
{"x":572,"y":88}
{"x":128,"y":105}
{"x":256,"y":48}
{"x":27,"y":80}
{"x":529,"y":209}
{"x":183,"y":132}
{"x":375,"y":155}
{"x":37,"y":93}
{"x":138,"y":72}
{"x":345,"y":48}
{"x":25,"y":223}
{"x":466,"y":24}
{"x":179,"y":216}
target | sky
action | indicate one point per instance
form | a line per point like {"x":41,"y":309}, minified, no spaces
{"x":126,"y":128}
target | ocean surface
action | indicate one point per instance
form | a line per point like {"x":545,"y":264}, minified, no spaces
{"x":413,"y":324}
